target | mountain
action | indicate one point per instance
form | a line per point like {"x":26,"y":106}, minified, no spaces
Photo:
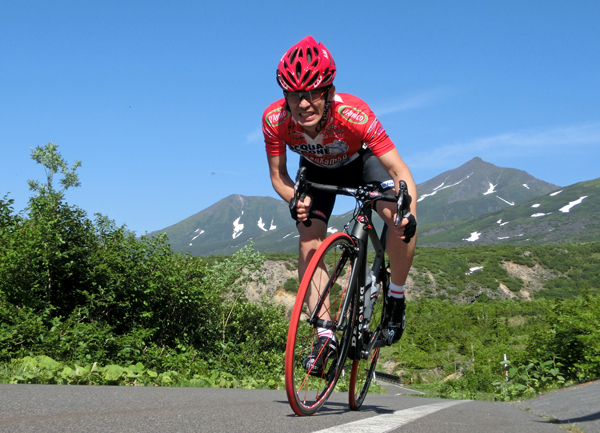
{"x":227,"y":225}
{"x":469,"y":199}
{"x":474,"y":189}
{"x":567,"y":214}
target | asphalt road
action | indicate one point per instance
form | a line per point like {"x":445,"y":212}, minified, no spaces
{"x":577,"y":405}
{"x":51,"y":408}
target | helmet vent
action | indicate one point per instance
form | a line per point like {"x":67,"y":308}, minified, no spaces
{"x":292,"y":56}
{"x":298,"y":69}
{"x":312,"y":80}
{"x":285,"y":80}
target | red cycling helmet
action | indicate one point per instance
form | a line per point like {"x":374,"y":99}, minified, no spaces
{"x":306,"y":66}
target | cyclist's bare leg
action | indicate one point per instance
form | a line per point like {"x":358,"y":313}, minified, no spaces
{"x":310,"y":240}
{"x":400,"y":253}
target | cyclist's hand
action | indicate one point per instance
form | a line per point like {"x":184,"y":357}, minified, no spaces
{"x":407,"y":228}
{"x":299,"y":208}
{"x":300,"y":212}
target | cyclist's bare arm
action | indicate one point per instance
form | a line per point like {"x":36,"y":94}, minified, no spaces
{"x":398,"y":170}
{"x":280,"y":178}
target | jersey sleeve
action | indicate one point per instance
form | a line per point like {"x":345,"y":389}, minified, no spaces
{"x":274,"y":118}
{"x":377,"y":139}
{"x":365,"y":124}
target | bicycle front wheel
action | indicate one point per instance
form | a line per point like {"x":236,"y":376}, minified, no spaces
{"x":328,"y":278}
{"x":363,"y":370}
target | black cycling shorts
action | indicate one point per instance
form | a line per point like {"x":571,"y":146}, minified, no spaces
{"x":363,"y":170}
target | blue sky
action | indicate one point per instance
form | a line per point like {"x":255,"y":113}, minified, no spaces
{"x":162,"y":101}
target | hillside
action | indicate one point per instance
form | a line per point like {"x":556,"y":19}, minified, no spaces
{"x":565,"y":215}
{"x":226,"y":226}
{"x":473,"y":274}
{"x":472,"y":190}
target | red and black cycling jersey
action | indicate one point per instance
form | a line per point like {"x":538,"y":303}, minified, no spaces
{"x":350,"y":123}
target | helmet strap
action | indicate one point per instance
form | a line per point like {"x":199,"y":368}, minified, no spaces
{"x":325,"y":111}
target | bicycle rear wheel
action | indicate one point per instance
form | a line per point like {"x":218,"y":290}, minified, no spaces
{"x":329,"y":274}
{"x":363,"y":370}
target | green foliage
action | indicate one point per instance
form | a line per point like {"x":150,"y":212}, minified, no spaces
{"x":579,"y":266}
{"x":53,"y":163}
{"x":89,"y":294}
{"x":45,"y":370}
{"x":282,"y":256}
{"x":448,"y":271}
{"x":527,"y":380}
{"x":471,"y":385}
{"x":573,"y":336}
{"x":455,"y":350}
{"x":292,"y":285}
{"x":451,"y":269}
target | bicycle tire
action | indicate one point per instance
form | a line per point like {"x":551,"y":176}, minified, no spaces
{"x":363,"y":370}
{"x":308,"y":392}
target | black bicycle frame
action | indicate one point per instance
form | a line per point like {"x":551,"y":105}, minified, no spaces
{"x":362,"y":232}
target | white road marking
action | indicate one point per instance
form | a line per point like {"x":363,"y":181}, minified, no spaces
{"x":392,"y":421}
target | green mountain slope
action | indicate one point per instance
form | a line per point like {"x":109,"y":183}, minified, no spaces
{"x":566,"y":215}
{"x":475,"y":188}
{"x":226,"y":226}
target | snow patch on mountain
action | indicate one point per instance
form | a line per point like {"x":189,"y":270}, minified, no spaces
{"x":526,"y":186}
{"x":506,"y":201}
{"x":199,"y":233}
{"x":556,"y":193}
{"x":567,"y":208}
{"x":261,"y":225}
{"x":491,"y":189}
{"x":441,"y":187}
{"x":474,"y":269}
{"x":474,"y":237}
{"x":237,"y":227}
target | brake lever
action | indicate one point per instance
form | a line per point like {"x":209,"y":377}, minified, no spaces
{"x":404,"y":200}
{"x":299,"y":194}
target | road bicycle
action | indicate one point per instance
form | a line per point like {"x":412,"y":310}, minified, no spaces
{"x":351,"y":302}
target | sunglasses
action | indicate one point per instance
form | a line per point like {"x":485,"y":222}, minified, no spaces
{"x":310,"y":96}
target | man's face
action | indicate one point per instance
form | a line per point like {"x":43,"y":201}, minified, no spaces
{"x":307,"y":107}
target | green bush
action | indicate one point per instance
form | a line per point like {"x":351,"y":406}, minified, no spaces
{"x":89,"y":293}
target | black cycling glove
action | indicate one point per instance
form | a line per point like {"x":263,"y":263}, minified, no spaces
{"x":411,"y":228}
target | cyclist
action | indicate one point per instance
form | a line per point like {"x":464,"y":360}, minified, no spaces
{"x":341,"y":142}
